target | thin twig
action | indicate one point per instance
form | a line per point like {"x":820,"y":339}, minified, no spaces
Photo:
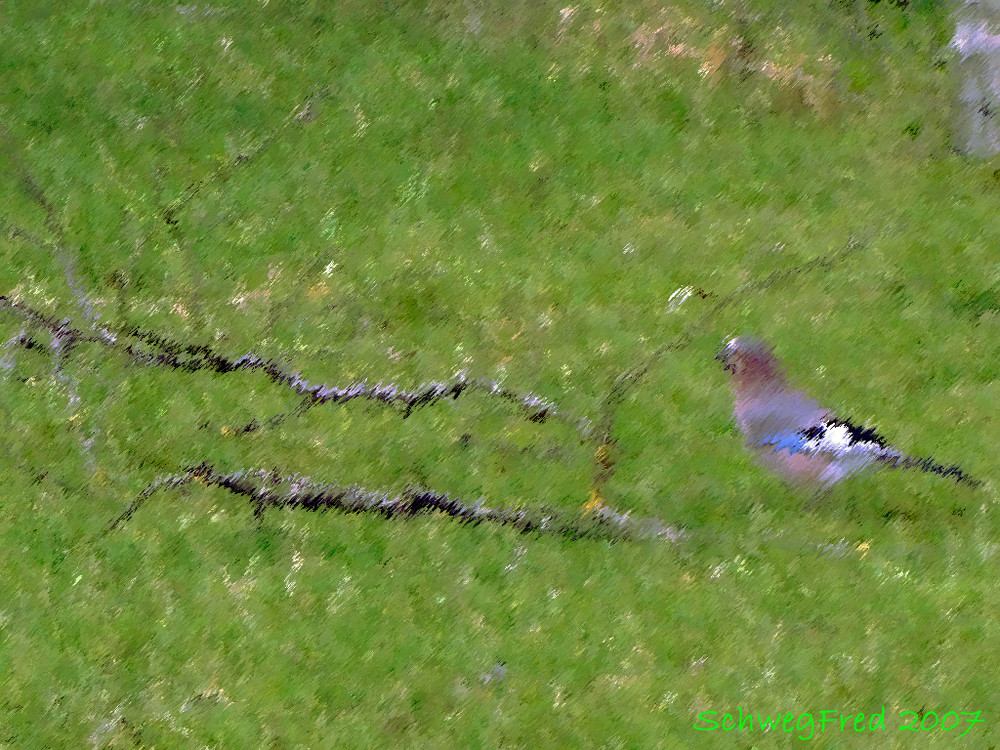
{"x":268,"y":489}
{"x":225,"y":172}
{"x":536,"y":408}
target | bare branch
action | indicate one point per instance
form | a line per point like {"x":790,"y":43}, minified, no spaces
{"x":536,"y":408}
{"x":268,"y":489}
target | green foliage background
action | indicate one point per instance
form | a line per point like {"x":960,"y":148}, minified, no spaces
{"x":516,"y":189}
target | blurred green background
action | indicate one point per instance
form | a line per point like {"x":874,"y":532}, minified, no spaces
{"x":397,"y":191}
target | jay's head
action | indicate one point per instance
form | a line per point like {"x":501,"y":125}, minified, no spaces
{"x":751,"y":362}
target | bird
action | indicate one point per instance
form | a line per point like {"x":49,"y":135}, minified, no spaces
{"x":791,"y":434}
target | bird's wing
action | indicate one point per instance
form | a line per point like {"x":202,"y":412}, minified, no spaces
{"x":777,"y":412}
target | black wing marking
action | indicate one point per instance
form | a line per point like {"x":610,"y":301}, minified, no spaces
{"x":856,"y":434}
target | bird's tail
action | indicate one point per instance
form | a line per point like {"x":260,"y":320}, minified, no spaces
{"x":895,"y":460}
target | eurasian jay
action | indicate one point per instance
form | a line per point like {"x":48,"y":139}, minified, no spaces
{"x":794,"y":436}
